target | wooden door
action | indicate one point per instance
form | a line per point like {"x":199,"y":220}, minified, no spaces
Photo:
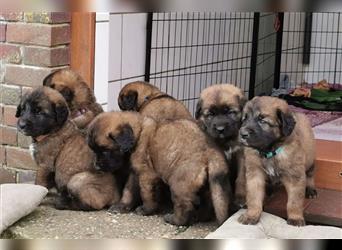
{"x":83,"y":45}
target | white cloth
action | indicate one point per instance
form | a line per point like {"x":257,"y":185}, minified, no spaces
{"x":271,"y":226}
{"x":17,"y":201}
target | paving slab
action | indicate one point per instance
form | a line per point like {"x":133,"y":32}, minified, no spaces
{"x":48,"y":223}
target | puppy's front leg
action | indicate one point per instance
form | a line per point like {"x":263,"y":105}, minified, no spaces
{"x":148,"y":182}
{"x":45,"y":177}
{"x":255,"y":180}
{"x":240,"y":182}
{"x":130,"y":196}
{"x":295,"y":188}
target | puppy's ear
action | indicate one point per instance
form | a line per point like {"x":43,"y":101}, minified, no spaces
{"x":198,"y":112}
{"x":128,"y":101}
{"x":48,"y":80}
{"x":18,"y":112}
{"x":287,"y":122}
{"x":61,"y":112}
{"x":67,"y":93}
{"x":125,"y":139}
{"x":242,"y":101}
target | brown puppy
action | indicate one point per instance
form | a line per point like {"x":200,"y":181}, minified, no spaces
{"x":148,"y":100}
{"x":177,"y":153}
{"x":80,"y":98}
{"x":219,"y":112}
{"x":280,"y":146}
{"x":60,"y":150}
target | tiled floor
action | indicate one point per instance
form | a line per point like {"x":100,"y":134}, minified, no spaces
{"x":326,"y":209}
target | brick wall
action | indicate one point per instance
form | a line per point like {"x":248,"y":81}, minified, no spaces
{"x":31,"y":46}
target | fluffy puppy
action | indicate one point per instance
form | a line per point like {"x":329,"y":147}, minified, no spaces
{"x":80,"y":98}
{"x":280,"y":146}
{"x":63,"y":157}
{"x":114,"y":159}
{"x":148,"y":100}
{"x":177,"y":153}
{"x":219,"y":112}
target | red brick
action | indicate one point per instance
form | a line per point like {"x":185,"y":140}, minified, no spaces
{"x":9,"y":115}
{"x":2,"y":32}
{"x":26,"y":176}
{"x":26,"y":75}
{"x":10,"y":94}
{"x":8,"y":136}
{"x":48,"y":17}
{"x":19,"y":158}
{"x":38,"y":34}
{"x":24,"y":141}
{"x":26,"y":90}
{"x":60,"y":17}
{"x":61,"y":34}
{"x":10,"y":53}
{"x":6,"y":176}
{"x":47,"y":57}
{"x":1,"y":113}
{"x":2,"y":155}
{"x":11,"y":16}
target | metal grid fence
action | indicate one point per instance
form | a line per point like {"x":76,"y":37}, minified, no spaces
{"x":191,"y":51}
{"x":311,"y":49}
{"x":187,"y":52}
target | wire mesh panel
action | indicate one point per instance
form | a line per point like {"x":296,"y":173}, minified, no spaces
{"x":266,"y":53}
{"x":311,"y":49}
{"x":191,"y":51}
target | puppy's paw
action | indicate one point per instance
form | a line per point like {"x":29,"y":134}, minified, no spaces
{"x":119,"y":208}
{"x":246,"y":220}
{"x":61,"y":204}
{"x":142,"y":210}
{"x":171,"y":219}
{"x":310,"y":193}
{"x":297,"y":223}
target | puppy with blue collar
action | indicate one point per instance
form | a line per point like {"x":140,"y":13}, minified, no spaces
{"x":280,"y":147}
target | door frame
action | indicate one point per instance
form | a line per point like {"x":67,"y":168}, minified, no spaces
{"x":82,"y":46}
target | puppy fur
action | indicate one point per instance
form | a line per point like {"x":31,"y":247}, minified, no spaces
{"x":116,"y":160}
{"x":148,"y":100}
{"x":80,"y":98}
{"x":218,"y":113}
{"x":63,"y":157}
{"x":267,"y":125}
{"x":177,"y":153}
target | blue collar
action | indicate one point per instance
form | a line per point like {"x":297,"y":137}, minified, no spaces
{"x":271,"y":154}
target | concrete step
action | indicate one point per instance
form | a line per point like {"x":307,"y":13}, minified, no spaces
{"x":48,"y":223}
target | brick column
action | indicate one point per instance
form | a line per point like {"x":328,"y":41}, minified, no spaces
{"x":31,"y":46}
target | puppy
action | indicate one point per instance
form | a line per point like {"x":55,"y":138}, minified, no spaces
{"x":150,"y":101}
{"x":218,"y":113}
{"x":280,"y":146}
{"x":80,"y":98}
{"x":111,"y":158}
{"x":63,"y":157}
{"x":177,"y":153}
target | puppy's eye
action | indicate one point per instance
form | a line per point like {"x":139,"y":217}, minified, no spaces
{"x":262,"y":121}
{"x":210,"y":114}
{"x":232,"y":112}
{"x":38,"y":111}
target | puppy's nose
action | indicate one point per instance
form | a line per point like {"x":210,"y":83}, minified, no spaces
{"x":220,"y":128}
{"x":22,"y":124}
{"x":244,"y":134}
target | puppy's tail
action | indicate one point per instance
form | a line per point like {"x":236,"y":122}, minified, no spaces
{"x":220,"y":189}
